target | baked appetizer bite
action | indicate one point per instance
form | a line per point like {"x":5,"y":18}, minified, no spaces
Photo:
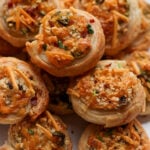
{"x":109,"y":95}
{"x":69,"y":43}
{"x":48,"y":132}
{"x":139,"y":64}
{"x":22,"y":91}
{"x":142,"y":43}
{"x":145,"y":7}
{"x":20,"y":20}
{"x":121,"y":21}
{"x":131,"y":136}
{"x":57,"y":86}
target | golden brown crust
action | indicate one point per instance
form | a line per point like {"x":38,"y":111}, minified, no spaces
{"x":22,"y":91}
{"x":131,"y":136}
{"x":118,"y":21}
{"x":139,"y":64}
{"x":20,"y":20}
{"x":142,"y":42}
{"x":110,"y":95}
{"x":58,"y":62}
{"x":47,"y":132}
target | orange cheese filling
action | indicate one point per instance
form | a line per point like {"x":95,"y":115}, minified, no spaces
{"x":68,"y":3}
{"x":139,"y":63}
{"x":113,"y":15}
{"x":23,"y":17}
{"x":16,"y":91}
{"x":66,"y":36}
{"x":105,"y":89}
{"x":45,"y":133}
{"x":119,"y":138}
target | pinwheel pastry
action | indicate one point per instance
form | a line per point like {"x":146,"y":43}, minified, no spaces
{"x":139,"y":63}
{"x":69,"y":43}
{"x":20,"y":20}
{"x":142,"y":42}
{"x":110,"y":94}
{"x":57,"y":87}
{"x":48,"y":132}
{"x":22,"y":91}
{"x":131,"y":136}
{"x":121,"y":21}
{"x":6,"y":147}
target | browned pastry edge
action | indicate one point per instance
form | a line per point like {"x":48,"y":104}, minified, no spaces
{"x":91,"y":128}
{"x":42,"y":96}
{"x":79,"y":66}
{"x":113,"y":117}
{"x":68,"y":143}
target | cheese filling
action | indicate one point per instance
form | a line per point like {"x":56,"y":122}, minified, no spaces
{"x":65,"y":37}
{"x":23,"y":18}
{"x":113,"y":15}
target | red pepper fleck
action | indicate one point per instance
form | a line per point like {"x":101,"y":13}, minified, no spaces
{"x":92,"y":20}
{"x":10,"y":4}
{"x":108,"y":65}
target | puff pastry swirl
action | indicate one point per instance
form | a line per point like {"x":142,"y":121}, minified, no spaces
{"x":70,"y":42}
{"x":22,"y":91}
{"x":110,"y":94}
{"x":121,"y":21}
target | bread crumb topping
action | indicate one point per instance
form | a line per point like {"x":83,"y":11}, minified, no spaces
{"x":105,"y":89}
{"x":47,"y":132}
{"x":65,"y":37}
{"x":113,"y":15}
